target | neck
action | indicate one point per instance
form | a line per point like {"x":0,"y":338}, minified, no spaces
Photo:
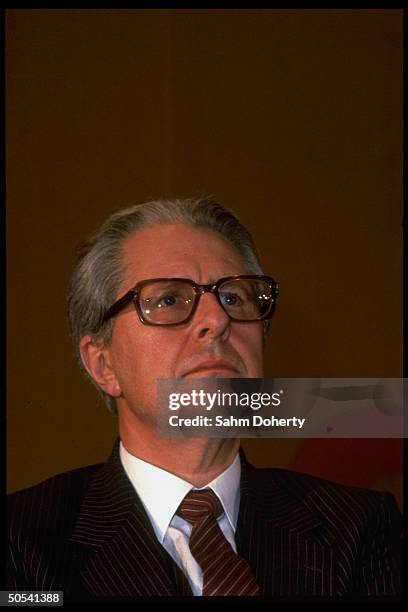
{"x":196,"y":460}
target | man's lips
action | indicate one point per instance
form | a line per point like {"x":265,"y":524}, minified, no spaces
{"x":212,"y":367}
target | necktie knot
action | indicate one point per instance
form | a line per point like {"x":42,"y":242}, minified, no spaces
{"x":199,"y":504}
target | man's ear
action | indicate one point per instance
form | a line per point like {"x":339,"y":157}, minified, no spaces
{"x":96,"y":360}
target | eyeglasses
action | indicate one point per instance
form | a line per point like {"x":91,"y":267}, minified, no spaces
{"x":173,"y":301}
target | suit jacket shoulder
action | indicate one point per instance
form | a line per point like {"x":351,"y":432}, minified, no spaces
{"x":342,"y":540}
{"x":330,"y":500}
{"x":49,"y":507}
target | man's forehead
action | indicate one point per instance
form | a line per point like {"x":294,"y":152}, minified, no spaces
{"x":180,"y":250}
{"x":177,"y":240}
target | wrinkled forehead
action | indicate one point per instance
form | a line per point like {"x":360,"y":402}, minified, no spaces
{"x":179,"y":250}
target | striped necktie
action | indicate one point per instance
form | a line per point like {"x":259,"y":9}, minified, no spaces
{"x":224,"y":572}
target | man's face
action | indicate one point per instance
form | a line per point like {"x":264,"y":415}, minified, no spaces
{"x":209,"y":345}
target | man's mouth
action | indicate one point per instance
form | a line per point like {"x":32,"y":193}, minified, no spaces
{"x":213,"y":369}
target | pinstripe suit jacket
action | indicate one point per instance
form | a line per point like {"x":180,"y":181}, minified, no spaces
{"x":85,"y":532}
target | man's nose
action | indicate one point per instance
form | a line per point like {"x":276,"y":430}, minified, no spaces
{"x":210,"y":319}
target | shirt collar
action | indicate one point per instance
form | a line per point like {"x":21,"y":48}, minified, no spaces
{"x":162,"y":492}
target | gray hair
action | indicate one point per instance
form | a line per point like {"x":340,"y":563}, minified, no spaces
{"x":99,"y":272}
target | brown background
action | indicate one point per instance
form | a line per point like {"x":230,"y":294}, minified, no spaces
{"x":292,"y":118}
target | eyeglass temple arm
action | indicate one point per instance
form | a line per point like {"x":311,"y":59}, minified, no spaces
{"x":119,"y":305}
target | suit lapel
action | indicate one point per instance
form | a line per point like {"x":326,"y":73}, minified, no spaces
{"x":121,"y":554}
{"x":283,"y":540}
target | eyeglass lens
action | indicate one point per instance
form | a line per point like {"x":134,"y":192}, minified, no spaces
{"x":166,"y":302}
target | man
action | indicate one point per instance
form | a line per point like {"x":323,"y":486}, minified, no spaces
{"x":157,"y":294}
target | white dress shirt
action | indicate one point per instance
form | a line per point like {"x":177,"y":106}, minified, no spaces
{"x":162,"y":492}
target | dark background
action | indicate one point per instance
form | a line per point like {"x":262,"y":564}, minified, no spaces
{"x":292,"y":118}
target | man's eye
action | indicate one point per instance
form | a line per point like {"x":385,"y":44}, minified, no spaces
{"x":165,"y":301}
{"x":231,"y":299}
